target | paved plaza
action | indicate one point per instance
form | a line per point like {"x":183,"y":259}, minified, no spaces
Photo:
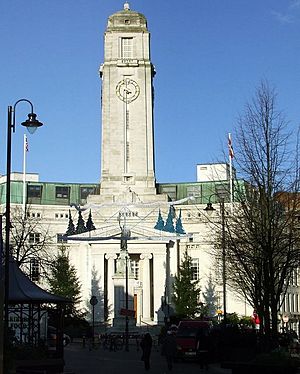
{"x":81,"y":360}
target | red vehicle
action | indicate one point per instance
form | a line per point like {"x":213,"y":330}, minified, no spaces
{"x":188,"y":336}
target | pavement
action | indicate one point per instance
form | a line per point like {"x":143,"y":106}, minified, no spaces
{"x":81,"y":360}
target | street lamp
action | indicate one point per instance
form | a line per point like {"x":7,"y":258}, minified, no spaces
{"x":125,"y":232}
{"x":209,"y":208}
{"x":93,"y":302}
{"x":32,"y":124}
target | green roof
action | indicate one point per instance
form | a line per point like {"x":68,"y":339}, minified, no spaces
{"x":51,"y":193}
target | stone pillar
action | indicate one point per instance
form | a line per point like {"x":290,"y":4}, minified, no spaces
{"x":110,"y":284}
{"x":98,"y":284}
{"x":159,"y":268}
{"x":146,"y":286}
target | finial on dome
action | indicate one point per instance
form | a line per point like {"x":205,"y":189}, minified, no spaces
{"x":126,"y":6}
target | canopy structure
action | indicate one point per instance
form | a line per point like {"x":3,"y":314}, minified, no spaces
{"x":28,"y":310}
{"x":23,"y":291}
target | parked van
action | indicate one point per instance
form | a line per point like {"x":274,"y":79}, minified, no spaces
{"x":188,"y":336}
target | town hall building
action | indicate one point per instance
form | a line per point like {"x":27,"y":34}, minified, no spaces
{"x":131,"y":258}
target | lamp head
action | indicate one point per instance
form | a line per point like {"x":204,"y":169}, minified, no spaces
{"x":209,"y":207}
{"x":93,"y":300}
{"x":32,"y":123}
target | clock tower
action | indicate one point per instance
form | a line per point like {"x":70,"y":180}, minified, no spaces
{"x":127,"y":154}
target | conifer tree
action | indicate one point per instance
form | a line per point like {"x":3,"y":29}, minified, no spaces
{"x":210,"y":298}
{"x":80,"y":228}
{"x":71,"y":226}
{"x":179,"y":228}
{"x":169,"y":226}
{"x":160,"y":222}
{"x":186,"y":290}
{"x":63,"y":281}
{"x":89,"y":223}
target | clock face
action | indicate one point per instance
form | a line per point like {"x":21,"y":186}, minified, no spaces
{"x":127,"y":90}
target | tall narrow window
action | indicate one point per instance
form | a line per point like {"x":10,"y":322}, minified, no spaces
{"x":135,"y":268}
{"x":34,"y":269}
{"x":127,"y":48}
{"x":195,"y":268}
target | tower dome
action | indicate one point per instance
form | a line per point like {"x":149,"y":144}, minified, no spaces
{"x":126,"y":20}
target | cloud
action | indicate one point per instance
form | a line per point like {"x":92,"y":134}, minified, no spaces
{"x":295,"y":4}
{"x":290,"y":14}
{"x":283,"y":18}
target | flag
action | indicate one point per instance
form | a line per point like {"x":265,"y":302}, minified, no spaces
{"x":26,"y":147}
{"x":230,"y":149}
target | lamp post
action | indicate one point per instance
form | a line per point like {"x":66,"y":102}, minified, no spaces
{"x":125,"y":232}
{"x":93,"y":302}
{"x":32,"y":124}
{"x":210,"y":208}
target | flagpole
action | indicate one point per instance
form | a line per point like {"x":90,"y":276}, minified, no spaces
{"x":230,"y":171}
{"x":24,"y":173}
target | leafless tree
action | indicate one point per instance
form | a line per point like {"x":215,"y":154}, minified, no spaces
{"x":262,"y":239}
{"x":30,"y":240}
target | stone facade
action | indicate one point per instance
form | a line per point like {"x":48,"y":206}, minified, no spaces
{"x":128,"y":197}
{"x":127,"y":107}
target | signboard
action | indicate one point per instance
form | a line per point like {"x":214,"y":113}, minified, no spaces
{"x":19,"y":323}
{"x":127,"y":312}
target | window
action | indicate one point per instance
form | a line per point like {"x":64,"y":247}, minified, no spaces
{"x":222,"y":190}
{"x":195,"y":191}
{"x":34,"y":191}
{"x":127,"y":48}
{"x":62,"y":192}
{"x":34,"y":269}
{"x":86,"y":191}
{"x":195,"y":268}
{"x":34,"y":237}
{"x":170,"y":191}
{"x":61,"y":238}
{"x":135,"y":268}
{"x":61,"y":215}
{"x":34,"y":215}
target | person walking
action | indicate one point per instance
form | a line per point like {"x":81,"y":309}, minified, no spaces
{"x":89,"y":336}
{"x":146,"y":345}
{"x":169,"y":349}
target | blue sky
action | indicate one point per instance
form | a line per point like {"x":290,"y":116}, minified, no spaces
{"x":209,"y":57}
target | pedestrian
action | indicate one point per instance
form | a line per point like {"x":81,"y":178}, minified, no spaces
{"x":89,"y":337}
{"x":169,"y":349}
{"x":112,"y":343}
{"x":203,"y":347}
{"x":146,"y":345}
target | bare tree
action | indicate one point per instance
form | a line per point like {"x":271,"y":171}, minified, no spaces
{"x":30,"y":240}
{"x":262,"y":241}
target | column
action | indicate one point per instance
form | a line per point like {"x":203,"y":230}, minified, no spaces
{"x":110,"y":257}
{"x":159,"y":271}
{"x":97,"y":288}
{"x":146,"y":286}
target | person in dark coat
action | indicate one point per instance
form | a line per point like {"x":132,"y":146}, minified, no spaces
{"x":146,"y":345}
{"x":169,"y":349}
